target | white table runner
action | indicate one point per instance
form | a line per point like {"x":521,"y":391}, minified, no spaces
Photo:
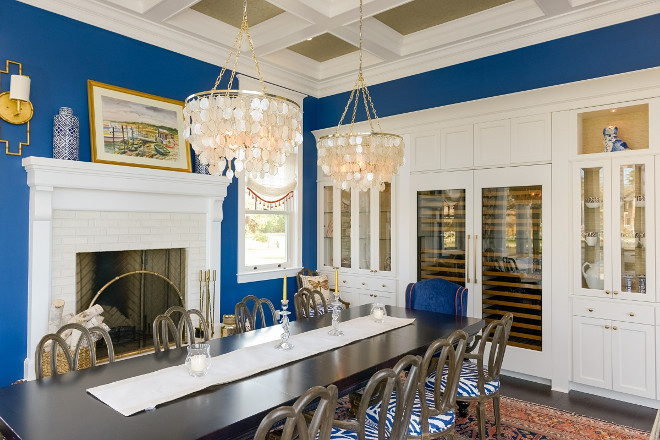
{"x":135,"y":394}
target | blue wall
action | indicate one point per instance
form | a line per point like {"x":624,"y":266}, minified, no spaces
{"x":60,"y":55}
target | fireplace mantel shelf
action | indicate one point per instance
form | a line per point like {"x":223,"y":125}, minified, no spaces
{"x":54,"y":173}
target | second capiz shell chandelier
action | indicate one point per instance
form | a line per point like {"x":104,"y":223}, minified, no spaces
{"x":360,"y":160}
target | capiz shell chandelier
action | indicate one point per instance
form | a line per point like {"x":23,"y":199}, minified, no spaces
{"x":255,"y":131}
{"x":360,"y":160}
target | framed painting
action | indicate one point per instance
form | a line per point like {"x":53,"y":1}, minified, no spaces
{"x":136,"y":129}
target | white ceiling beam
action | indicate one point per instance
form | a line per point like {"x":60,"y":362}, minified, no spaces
{"x":554,"y":7}
{"x":165,"y":9}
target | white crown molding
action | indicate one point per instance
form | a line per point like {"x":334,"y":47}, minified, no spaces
{"x":489,"y":21}
{"x":583,"y":20}
{"x":313,"y":78}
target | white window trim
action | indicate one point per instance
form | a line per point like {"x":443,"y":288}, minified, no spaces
{"x":294,"y":241}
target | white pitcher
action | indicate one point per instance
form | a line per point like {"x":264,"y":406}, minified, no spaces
{"x":592,"y":274}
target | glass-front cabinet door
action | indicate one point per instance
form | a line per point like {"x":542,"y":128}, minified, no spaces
{"x":632,"y":185}
{"x":615,"y":240}
{"x":357,"y":229}
{"x":444,"y":238}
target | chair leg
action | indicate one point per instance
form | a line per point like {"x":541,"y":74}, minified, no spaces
{"x":481,"y":420}
{"x":496,"y":410}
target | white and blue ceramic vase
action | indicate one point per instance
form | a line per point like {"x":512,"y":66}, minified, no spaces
{"x":201,"y":168}
{"x":66,"y":135}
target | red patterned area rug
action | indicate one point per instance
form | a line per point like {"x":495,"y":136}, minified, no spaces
{"x":529,"y":421}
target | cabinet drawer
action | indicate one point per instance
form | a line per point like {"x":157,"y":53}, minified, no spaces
{"x":366,"y":282}
{"x":616,"y":310}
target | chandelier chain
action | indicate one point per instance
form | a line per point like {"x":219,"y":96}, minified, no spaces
{"x":236,"y":52}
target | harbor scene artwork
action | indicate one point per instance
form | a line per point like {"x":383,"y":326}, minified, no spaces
{"x":137,"y":129}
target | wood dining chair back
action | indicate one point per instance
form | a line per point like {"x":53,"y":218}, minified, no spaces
{"x":304,"y":272}
{"x":251,"y":314}
{"x":177,"y":323}
{"x":296,"y":424}
{"x":309,"y":303}
{"x":480,"y":379}
{"x":386,"y":404}
{"x":434,"y":411}
{"x":63,"y":357}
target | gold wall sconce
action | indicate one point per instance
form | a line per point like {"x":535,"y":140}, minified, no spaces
{"x":15,"y":105}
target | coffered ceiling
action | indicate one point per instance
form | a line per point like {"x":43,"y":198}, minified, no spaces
{"x":312,"y":45}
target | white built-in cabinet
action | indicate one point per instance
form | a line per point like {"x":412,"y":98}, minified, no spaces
{"x":483,"y":143}
{"x":356,"y":239}
{"x":613,"y":246}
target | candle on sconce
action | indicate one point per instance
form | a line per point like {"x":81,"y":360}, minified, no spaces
{"x":201,"y":275}
{"x":336,"y":281}
{"x":284,"y":290}
{"x":213,"y":274}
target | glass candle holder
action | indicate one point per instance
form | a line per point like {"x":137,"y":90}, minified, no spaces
{"x":378,"y":312}
{"x":198,"y":360}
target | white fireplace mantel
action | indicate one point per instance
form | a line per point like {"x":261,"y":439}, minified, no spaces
{"x":83,"y":186}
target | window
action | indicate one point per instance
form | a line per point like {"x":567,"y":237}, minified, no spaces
{"x":270,"y":226}
{"x":269,"y":223}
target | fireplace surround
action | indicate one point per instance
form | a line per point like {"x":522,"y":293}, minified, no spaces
{"x":78,"y":207}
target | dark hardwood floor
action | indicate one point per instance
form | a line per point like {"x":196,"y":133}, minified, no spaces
{"x":627,"y":414}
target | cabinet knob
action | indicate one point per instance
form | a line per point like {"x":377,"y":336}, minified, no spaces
{"x":375,"y":296}
{"x":607,"y":326}
{"x":343,"y":281}
{"x":591,"y":309}
{"x":364,"y":284}
{"x":616,"y":292}
{"x":614,"y":328}
{"x":384,"y":285}
{"x":371,"y":295}
{"x":632,"y":313}
{"x":607,"y":292}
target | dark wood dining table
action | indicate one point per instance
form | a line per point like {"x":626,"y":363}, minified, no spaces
{"x":59,"y":407}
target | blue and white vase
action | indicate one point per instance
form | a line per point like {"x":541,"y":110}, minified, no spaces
{"x":66,"y":135}
{"x":201,"y":168}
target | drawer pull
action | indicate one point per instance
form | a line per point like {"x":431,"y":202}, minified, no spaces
{"x":384,"y":285}
{"x":375,"y":295}
{"x":343,"y":281}
{"x":614,"y":328}
{"x":632,"y":313}
{"x":591,"y":309}
{"x":607,"y":326}
{"x":607,"y":292}
{"x":371,"y":295}
{"x":364,"y":284}
{"x":616,"y":292}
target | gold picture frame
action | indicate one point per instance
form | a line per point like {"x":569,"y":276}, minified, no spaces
{"x":136,"y":129}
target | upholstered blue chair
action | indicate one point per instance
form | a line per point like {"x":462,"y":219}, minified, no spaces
{"x":480,"y":378}
{"x":437,"y":295}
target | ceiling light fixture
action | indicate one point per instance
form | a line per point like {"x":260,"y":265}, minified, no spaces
{"x":360,"y":160}
{"x":255,"y":130}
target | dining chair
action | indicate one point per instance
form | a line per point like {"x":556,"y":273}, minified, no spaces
{"x":308,"y":303}
{"x":382,"y":414}
{"x":480,"y":374}
{"x":437,"y":295}
{"x":434,"y":408}
{"x":313,"y":280}
{"x":296,"y":424}
{"x":177,"y":323}
{"x":63,"y":357}
{"x":250,"y":318}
